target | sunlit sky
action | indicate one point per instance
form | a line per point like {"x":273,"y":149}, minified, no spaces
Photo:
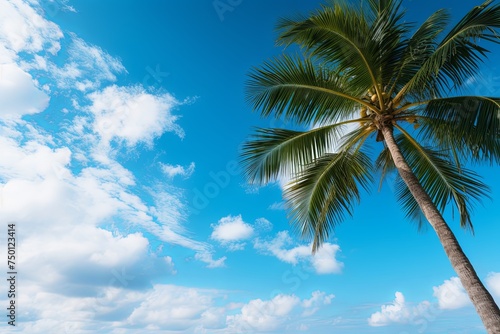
{"x":121,"y":124}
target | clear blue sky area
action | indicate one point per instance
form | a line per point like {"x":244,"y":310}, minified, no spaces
{"x":121,"y":124}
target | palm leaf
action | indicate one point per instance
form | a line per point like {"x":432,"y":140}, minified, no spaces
{"x":296,"y":89}
{"x":418,"y":48}
{"x":387,"y":31}
{"x":469,"y":125}
{"x":338,"y":34}
{"x":385,"y":165}
{"x":327,"y":188}
{"x":457,"y":57}
{"x":276,"y":152}
{"x":440,"y":177}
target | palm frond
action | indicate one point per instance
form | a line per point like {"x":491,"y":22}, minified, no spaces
{"x":469,"y":125}
{"x":356,"y":139}
{"x":277,"y":152}
{"x":385,"y":165}
{"x":297,"y":89}
{"x":458,"y":56}
{"x":442,"y":180}
{"x":409,"y":203}
{"x":387,"y":31}
{"x":338,"y":34}
{"x":418,"y":48}
{"x":321,"y":195}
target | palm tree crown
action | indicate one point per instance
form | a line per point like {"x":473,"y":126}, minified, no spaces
{"x":392,"y":82}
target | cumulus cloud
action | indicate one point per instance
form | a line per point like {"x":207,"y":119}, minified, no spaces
{"x":317,"y":300}
{"x":398,"y":312}
{"x":279,"y":312}
{"x":172,"y":171}
{"x":451,"y":294}
{"x":493,"y":283}
{"x":177,"y":308}
{"x":165,"y":307}
{"x":19,"y":95}
{"x":264,"y":315}
{"x":278,"y":248}
{"x":91,"y":234}
{"x":114,"y":308}
{"x":131,"y":115}
{"x":231,"y":231}
{"x":38,"y":190}
{"x":285,"y":249}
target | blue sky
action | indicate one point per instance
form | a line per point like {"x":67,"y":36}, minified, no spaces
{"x":120,"y":129}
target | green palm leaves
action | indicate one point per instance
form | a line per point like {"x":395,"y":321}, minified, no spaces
{"x":364,"y":65}
{"x":326,"y":189}
{"x":300,"y":90}
{"x":444,"y":181}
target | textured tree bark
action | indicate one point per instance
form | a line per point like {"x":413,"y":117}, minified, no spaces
{"x":483,"y":301}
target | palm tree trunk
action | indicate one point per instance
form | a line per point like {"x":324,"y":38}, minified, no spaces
{"x":480,"y":297}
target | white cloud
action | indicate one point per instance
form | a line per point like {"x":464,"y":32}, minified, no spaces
{"x":263,"y":225}
{"x":493,"y":283}
{"x":19,"y":95}
{"x":277,"y":247}
{"x":230,"y":231}
{"x":114,"y":309}
{"x":279,"y":314}
{"x":260,"y":315}
{"x":85,"y":61}
{"x":451,"y":294}
{"x":23,"y":29}
{"x":177,"y":308}
{"x":165,"y":308}
{"x":277,"y":206}
{"x":132,"y":115}
{"x":39,"y":188}
{"x":317,"y":300}
{"x":84,"y":221}
{"x":207,"y":257}
{"x":324,"y":261}
{"x":172,"y":171}
{"x":398,"y":312}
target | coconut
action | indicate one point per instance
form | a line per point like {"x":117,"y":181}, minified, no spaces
{"x":363,"y":113}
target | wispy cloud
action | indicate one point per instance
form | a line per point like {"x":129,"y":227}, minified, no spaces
{"x":277,"y":206}
{"x":263,"y":225}
{"x":171,"y":171}
{"x":23,"y":29}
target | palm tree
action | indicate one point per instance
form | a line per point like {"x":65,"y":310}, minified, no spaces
{"x":393,"y":83}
